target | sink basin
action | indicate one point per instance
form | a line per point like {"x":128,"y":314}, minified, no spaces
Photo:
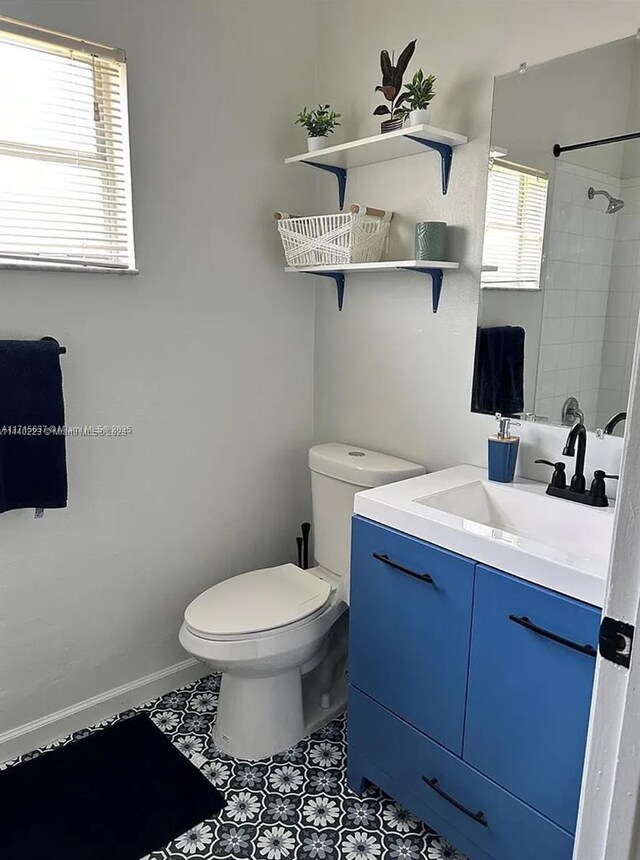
{"x":578,"y":533}
{"x":513,"y":527}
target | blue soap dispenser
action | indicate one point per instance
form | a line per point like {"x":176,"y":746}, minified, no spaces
{"x":503,"y":451}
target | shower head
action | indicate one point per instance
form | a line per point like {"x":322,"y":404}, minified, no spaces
{"x":615,"y":203}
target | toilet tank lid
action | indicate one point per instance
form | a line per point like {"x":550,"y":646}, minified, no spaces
{"x":360,"y":466}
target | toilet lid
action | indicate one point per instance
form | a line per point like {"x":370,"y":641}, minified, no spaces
{"x":257,"y":601}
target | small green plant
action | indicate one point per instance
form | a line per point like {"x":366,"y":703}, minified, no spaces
{"x":418,"y":93}
{"x":319,"y":123}
{"x":392,"y":82}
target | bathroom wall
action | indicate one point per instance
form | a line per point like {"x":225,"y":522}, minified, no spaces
{"x":389,"y":373}
{"x":207,"y":353}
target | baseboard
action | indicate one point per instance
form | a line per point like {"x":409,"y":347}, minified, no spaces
{"x":32,"y":735}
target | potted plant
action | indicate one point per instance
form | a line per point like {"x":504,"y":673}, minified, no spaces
{"x":319,"y":124}
{"x":392,"y":76}
{"x":417,"y":97}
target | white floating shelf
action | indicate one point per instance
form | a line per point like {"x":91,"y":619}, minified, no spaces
{"x":434,"y":268}
{"x":383,"y":147}
{"x":380,"y":147}
{"x":376,"y":267}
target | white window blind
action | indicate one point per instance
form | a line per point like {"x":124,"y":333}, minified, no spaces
{"x":65,"y":183}
{"x":514,"y":230}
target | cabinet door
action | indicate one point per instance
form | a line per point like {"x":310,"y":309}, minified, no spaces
{"x":530,"y":680}
{"x":410,"y":623}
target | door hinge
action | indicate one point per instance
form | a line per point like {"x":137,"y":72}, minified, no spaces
{"x":616,"y":641}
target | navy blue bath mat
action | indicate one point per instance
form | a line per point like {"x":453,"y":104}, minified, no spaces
{"x":118,"y":794}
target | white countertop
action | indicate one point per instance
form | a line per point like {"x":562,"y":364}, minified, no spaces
{"x":554,"y":543}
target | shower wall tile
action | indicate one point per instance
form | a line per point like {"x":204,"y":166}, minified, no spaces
{"x":581,"y":247}
{"x":623,"y":306}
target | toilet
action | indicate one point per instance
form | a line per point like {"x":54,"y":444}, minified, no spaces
{"x":279,"y":635}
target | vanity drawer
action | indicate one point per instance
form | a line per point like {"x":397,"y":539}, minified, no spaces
{"x":529,"y":695}
{"x":410,"y":625}
{"x":477,"y":816}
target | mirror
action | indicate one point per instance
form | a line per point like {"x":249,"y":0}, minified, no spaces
{"x":560,"y":283}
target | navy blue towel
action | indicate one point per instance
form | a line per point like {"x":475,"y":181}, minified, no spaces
{"x":33,"y":467}
{"x":498,"y":380}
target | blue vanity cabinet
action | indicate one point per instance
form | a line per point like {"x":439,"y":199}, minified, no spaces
{"x":410,"y":627}
{"x":469,"y":696}
{"x":530,"y":681}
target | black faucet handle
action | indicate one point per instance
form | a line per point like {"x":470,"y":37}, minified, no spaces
{"x":598,"y":487}
{"x":559,"y":477}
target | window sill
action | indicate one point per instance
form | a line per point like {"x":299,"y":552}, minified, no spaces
{"x":89,"y":270}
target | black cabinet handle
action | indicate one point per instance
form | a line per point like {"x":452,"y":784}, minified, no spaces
{"x":523,"y":621}
{"x":394,"y":564}
{"x":476,"y":816}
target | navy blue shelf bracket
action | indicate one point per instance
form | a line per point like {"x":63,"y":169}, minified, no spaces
{"x":436,"y":278}
{"x":446,"y":157}
{"x":338,"y":277}
{"x":341,"y":175}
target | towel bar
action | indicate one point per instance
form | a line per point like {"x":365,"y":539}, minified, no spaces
{"x":62,"y":349}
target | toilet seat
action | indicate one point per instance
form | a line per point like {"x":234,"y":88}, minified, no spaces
{"x":257,"y":602}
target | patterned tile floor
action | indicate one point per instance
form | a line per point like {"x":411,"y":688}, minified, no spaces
{"x":293,"y":806}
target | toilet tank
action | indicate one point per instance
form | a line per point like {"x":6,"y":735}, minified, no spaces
{"x":338,"y":472}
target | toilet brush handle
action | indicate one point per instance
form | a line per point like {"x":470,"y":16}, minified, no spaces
{"x":299,"y":543}
{"x":306,"y":528}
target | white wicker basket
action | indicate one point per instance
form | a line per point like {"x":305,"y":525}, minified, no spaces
{"x":357,"y":236}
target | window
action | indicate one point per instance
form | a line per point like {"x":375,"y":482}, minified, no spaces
{"x":65,"y":182}
{"x":514,"y":230}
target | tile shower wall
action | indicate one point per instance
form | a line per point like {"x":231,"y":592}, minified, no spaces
{"x":581,"y":242}
{"x":622,"y":307}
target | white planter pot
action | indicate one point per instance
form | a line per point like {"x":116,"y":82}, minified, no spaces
{"x":419,"y":117}
{"x":316,"y":143}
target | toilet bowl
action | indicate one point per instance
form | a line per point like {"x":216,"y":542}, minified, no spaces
{"x":265,"y":632}
{"x":278,"y":635}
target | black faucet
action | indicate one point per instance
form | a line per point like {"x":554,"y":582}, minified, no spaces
{"x":579,"y":432}
{"x":613,"y":422}
{"x":576,"y":492}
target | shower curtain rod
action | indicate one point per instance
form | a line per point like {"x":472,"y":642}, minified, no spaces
{"x":558,"y":150}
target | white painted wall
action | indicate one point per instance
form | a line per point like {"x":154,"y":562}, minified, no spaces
{"x":207,"y":353}
{"x":390,"y":374}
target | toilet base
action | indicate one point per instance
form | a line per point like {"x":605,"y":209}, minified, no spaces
{"x":259,"y":717}
{"x":321,"y":709}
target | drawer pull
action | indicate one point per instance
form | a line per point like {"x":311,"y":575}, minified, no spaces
{"x":523,"y":621}
{"x":394,"y":564}
{"x":477,"y":816}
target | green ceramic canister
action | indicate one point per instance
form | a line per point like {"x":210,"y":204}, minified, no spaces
{"x":431,"y":237}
